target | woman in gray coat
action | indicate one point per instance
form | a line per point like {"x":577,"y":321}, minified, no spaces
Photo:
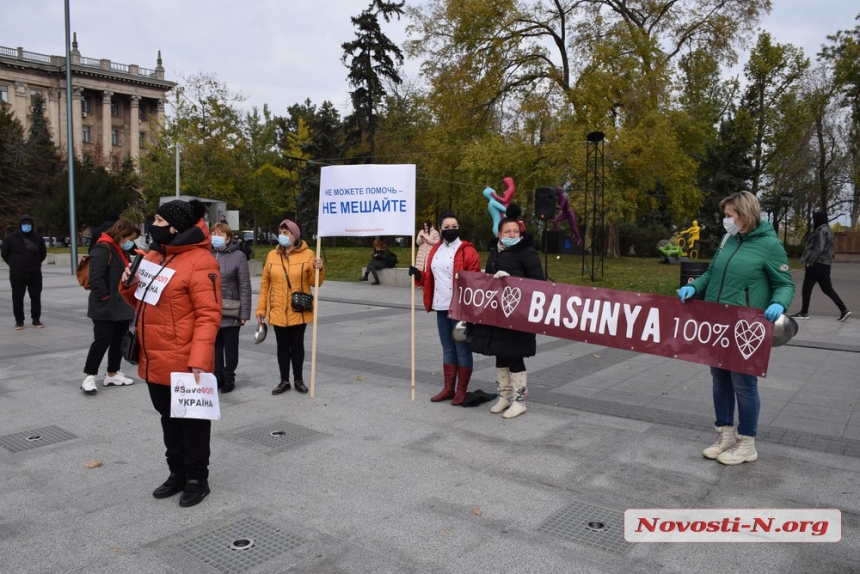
{"x":235,"y":286}
{"x":106,"y":307}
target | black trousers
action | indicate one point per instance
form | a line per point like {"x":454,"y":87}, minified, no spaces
{"x":818,"y":273}
{"x":513,"y":364}
{"x":291,"y":350}
{"x":373,"y":266}
{"x":186,"y":440}
{"x":226,"y":353}
{"x":107,"y":337}
{"x":21,"y":284}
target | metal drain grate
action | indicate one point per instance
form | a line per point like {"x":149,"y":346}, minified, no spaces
{"x":238,"y":547}
{"x":35,"y":438}
{"x":590,"y":525}
{"x":279,"y":434}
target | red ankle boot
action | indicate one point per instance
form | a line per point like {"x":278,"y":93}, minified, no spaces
{"x":448,"y":389}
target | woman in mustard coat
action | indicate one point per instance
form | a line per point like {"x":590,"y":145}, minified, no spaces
{"x":288,"y":268}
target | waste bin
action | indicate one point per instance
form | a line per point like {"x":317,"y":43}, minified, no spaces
{"x":691,"y":270}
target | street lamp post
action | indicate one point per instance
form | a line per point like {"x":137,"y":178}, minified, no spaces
{"x":178,"y":149}
{"x":786,"y":198}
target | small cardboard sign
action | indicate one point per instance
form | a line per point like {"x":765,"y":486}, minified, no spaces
{"x":190,"y":400}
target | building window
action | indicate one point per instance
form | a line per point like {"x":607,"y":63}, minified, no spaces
{"x":114,"y":137}
{"x":85,"y":134}
{"x":34,"y":93}
{"x":4,"y":93}
{"x":114,"y":163}
{"x":85,"y":106}
{"x":141,"y":141}
{"x":114,"y":108}
{"x":141,"y":112}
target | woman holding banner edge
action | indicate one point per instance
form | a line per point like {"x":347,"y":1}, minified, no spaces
{"x":446,"y":259}
{"x":750,"y":269}
{"x":513,"y":254}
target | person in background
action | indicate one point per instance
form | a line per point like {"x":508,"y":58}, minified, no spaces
{"x":378,"y":260}
{"x":513,"y":254}
{"x":445,"y":260}
{"x":818,"y":256}
{"x":106,"y":307}
{"x":177,"y":333}
{"x":235,"y":285}
{"x":96,"y":232}
{"x":24,"y":250}
{"x":750,"y":269}
{"x":427,"y":238}
{"x":290,"y":267}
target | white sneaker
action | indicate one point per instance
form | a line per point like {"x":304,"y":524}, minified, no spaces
{"x":89,"y":385}
{"x":118,"y":379}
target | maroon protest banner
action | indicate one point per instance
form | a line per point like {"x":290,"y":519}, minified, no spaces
{"x":727,"y":336}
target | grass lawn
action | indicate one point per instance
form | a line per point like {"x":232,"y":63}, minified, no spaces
{"x":628,"y":273}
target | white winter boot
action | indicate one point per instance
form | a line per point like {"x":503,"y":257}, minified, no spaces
{"x":518,"y":406}
{"x":506,"y":390}
{"x":725,"y":439}
{"x":743,"y":450}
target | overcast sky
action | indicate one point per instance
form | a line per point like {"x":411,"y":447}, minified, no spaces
{"x":280,"y":52}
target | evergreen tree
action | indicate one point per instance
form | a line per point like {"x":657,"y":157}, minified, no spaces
{"x":44,"y":165}
{"x":13,"y":170}
{"x":371,"y":64}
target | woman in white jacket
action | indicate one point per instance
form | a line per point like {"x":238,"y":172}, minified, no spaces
{"x":427,"y":238}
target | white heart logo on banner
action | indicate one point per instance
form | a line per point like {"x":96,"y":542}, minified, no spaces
{"x":749,"y":337}
{"x":510,"y":299}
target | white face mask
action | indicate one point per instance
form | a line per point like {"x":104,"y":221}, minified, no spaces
{"x":730,"y":226}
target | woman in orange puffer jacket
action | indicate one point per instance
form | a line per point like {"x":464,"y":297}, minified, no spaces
{"x":177,"y":333}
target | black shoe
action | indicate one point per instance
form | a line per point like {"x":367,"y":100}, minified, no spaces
{"x":174,"y":483}
{"x":195,"y":491}
{"x":38,"y":324}
{"x":228,"y":387}
{"x":801,"y":316}
{"x":19,"y":326}
{"x":300,"y":386}
{"x":363,"y":279}
{"x":375,"y":283}
{"x":844,"y":315}
{"x":282,"y":386}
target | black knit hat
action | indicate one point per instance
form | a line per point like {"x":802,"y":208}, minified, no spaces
{"x":182,"y":215}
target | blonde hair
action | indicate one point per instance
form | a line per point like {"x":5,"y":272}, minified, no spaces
{"x":747,"y":207}
{"x":223,"y":227}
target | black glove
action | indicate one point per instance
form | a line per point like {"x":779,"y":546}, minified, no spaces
{"x":414,"y":272}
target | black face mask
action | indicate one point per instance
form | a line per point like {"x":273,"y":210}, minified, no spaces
{"x":161,"y":235}
{"x":450,"y":235}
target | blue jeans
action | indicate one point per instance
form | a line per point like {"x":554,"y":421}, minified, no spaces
{"x":729,"y":386}
{"x":453,"y":353}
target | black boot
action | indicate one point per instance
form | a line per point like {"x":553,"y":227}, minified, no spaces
{"x":282,"y":386}
{"x":229,"y":384}
{"x":196,"y":488}
{"x":300,"y":386}
{"x":174,"y":483}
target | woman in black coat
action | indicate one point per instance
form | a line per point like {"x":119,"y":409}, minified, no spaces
{"x":513,"y":253}
{"x":106,"y":307}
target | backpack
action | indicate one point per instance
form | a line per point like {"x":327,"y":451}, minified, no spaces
{"x":392,"y":259}
{"x":82,"y":272}
{"x":247,"y":249}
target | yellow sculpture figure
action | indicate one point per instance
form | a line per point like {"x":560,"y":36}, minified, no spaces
{"x":692,"y":236}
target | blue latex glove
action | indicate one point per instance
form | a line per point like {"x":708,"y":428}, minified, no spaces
{"x":773,"y":312}
{"x":686,"y":292}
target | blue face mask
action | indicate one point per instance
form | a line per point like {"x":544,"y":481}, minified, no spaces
{"x":284,"y":240}
{"x":510,"y":241}
{"x":26,"y":228}
{"x":218,"y":242}
{"x":126,"y":246}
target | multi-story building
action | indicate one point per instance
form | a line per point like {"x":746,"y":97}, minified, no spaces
{"x":115,"y":107}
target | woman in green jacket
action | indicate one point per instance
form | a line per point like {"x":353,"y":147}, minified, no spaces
{"x":750,"y":269}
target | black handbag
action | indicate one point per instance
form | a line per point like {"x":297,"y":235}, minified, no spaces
{"x":299,"y":300}
{"x":130,"y":347}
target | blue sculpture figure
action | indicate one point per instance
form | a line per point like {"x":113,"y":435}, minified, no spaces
{"x":496,"y":209}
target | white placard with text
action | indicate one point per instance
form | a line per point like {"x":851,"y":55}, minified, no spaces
{"x":192,"y":400}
